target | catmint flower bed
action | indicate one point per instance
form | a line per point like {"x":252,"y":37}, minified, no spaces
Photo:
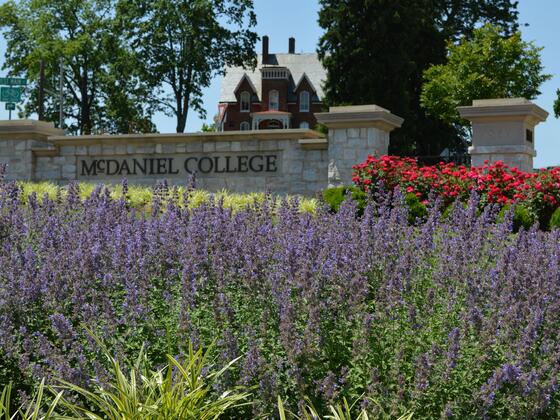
{"x":452,"y":316}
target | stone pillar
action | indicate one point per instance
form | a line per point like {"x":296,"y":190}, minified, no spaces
{"x":503,"y":129}
{"x":354,"y":133}
{"x":18,"y":141}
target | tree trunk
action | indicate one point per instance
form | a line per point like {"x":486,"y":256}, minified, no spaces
{"x":181,"y":115}
{"x":183,"y":102}
{"x":85,"y":124}
{"x":182,"y":118}
{"x":85,"y":107}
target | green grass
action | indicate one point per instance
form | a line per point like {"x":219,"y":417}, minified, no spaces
{"x":141,"y":197}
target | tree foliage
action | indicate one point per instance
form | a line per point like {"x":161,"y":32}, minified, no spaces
{"x":557,"y":105}
{"x":180,"y":45}
{"x":486,"y":66}
{"x":375,"y":51}
{"x":124,"y":59}
{"x":459,"y":18}
{"x":81,"y":33}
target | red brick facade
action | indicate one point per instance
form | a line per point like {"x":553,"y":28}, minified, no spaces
{"x":261,"y":83}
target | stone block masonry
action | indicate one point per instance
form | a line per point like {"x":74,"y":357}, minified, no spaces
{"x":503,"y":129}
{"x":354,"y":133}
{"x":296,"y":161}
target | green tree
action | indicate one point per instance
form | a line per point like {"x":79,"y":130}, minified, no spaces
{"x":459,"y":18}
{"x":375,"y":51}
{"x":181,"y":45}
{"x":81,"y":34}
{"x":487,"y":66}
{"x":209,"y":128}
{"x":557,"y":105}
{"x":129,"y":101}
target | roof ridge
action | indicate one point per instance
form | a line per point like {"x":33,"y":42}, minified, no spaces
{"x":307,"y":64}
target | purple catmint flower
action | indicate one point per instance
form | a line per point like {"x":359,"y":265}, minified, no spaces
{"x":324,"y":306}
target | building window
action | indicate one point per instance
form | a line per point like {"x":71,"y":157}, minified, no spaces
{"x":273,"y":100}
{"x":529,"y":136}
{"x":245,"y":101}
{"x":274,"y":73}
{"x":304,"y":124}
{"x":245,"y":126}
{"x":304,"y":101}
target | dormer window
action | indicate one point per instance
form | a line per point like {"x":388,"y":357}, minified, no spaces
{"x":304,"y":101}
{"x":273,"y":100}
{"x":245,"y":99}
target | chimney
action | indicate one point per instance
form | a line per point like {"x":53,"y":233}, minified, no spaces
{"x":292,"y":49}
{"x":265,"y":49}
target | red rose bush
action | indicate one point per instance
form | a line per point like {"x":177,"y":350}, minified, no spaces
{"x":495,"y":183}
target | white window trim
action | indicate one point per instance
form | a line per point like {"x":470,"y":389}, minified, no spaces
{"x":307,"y":102}
{"x":241,"y":102}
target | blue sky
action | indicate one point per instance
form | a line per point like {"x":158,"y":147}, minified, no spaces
{"x":281,"y":19}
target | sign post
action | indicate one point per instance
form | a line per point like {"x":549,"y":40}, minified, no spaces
{"x":10,"y":106}
{"x":10,"y":92}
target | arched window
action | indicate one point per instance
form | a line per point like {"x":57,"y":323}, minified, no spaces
{"x":273,"y":100}
{"x":245,"y":101}
{"x":304,"y":124}
{"x":274,"y":125}
{"x":304,"y":101}
{"x":245,"y":126}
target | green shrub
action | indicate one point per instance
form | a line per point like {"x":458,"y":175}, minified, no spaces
{"x":555,"y":219}
{"x":544,"y":214}
{"x":523,"y":217}
{"x":416,"y":210}
{"x":334,"y":197}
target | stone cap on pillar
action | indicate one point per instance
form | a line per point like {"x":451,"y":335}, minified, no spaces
{"x":503,"y":110}
{"x":359,"y":116}
{"x":28,"y":130}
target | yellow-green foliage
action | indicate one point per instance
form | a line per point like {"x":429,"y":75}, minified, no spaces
{"x":140,"y":197}
{"x":336,"y":412}
{"x":183,"y":389}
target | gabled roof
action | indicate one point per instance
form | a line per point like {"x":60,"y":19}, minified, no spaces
{"x":300,"y":65}
{"x":304,"y":77}
{"x":245,"y":77}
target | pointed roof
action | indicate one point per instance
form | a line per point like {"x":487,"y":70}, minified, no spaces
{"x":245,"y":77}
{"x":304,"y":77}
{"x":300,"y":65}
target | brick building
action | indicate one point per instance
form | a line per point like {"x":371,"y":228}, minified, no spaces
{"x":284,"y":91}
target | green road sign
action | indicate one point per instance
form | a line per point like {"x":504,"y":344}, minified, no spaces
{"x":13,"y":81}
{"x":10,"y":94}
{"x":10,"y":106}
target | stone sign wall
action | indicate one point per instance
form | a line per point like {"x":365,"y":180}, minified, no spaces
{"x":284,"y":161}
{"x":180,"y":166}
{"x":281,"y":161}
